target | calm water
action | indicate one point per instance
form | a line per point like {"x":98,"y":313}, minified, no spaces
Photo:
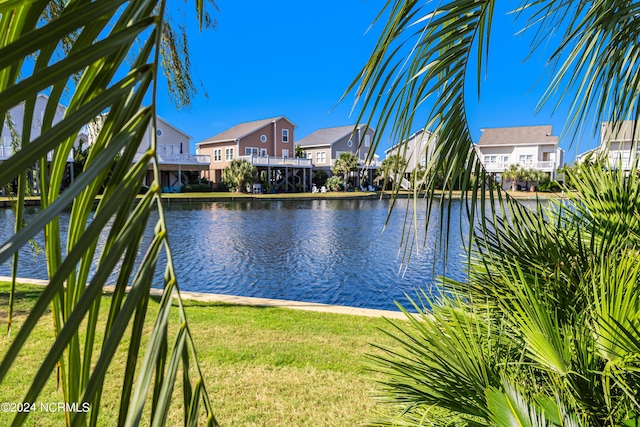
{"x":327,"y":251}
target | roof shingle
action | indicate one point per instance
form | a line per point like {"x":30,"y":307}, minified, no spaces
{"x":518,"y":135}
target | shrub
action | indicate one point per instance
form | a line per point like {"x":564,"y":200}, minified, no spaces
{"x":194,"y":188}
{"x":334,"y":183}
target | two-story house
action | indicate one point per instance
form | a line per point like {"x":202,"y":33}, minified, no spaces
{"x":532,"y":147}
{"x":268,"y":144}
{"x":12,"y":131}
{"x":619,"y":143}
{"x":176,"y":165}
{"x":417,"y":150}
{"x":323,"y":146}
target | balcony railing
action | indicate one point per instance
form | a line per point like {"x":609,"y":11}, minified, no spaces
{"x":277,"y":161}
{"x":362,"y":163}
{"x":184,"y":159}
{"x":6,"y":152}
{"x":545,"y":166}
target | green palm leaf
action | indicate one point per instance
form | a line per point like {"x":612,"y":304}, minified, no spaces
{"x":99,"y":38}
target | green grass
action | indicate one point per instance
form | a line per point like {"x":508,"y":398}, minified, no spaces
{"x":263,"y":366}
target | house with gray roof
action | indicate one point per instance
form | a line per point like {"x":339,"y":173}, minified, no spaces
{"x":268,"y":144}
{"x":532,"y":147}
{"x":620,"y":143}
{"x":323,"y":146}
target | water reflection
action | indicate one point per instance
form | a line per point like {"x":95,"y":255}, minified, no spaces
{"x":328,"y":251}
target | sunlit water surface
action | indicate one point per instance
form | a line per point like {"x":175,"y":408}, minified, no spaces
{"x":326,"y":251}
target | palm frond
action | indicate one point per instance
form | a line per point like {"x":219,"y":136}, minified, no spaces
{"x":97,"y":70}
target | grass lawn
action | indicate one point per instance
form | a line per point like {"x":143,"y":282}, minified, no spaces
{"x":263,"y":366}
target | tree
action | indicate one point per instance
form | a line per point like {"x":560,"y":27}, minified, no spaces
{"x":515,"y":173}
{"x":105,"y":57}
{"x":545,"y":323}
{"x":299,"y":151}
{"x":346,"y":163}
{"x":392,"y":167}
{"x":239,"y":174}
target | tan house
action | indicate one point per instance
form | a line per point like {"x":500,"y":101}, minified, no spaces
{"x":269,"y":144}
{"x":324,"y":146}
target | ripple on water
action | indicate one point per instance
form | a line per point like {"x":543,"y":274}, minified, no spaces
{"x":326,"y":251}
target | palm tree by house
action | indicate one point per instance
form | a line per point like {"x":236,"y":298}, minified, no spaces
{"x":545,"y":330}
{"x":346,"y":163}
{"x":392,"y":167}
{"x":239,"y":174}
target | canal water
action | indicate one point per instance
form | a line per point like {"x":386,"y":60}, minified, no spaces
{"x":324,"y":251}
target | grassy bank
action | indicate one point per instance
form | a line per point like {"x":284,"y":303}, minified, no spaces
{"x":264,"y":366}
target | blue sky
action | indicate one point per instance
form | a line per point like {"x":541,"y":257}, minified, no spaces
{"x":296,"y":58}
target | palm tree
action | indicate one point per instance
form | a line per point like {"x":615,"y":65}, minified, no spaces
{"x":104,"y":56}
{"x":515,"y":173}
{"x":546,"y":322}
{"x":239,"y":174}
{"x":393,"y":166}
{"x":346,"y":163}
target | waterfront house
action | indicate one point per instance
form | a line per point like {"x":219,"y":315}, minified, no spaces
{"x":323,"y":146}
{"x":619,"y":143}
{"x":417,"y":150}
{"x":176,"y":165}
{"x":268,"y":144}
{"x":12,"y":131}
{"x":532,"y":147}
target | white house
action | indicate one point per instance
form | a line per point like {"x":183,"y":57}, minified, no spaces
{"x":176,"y":165}
{"x":12,"y":131}
{"x":532,"y":147}
{"x":620,"y":144}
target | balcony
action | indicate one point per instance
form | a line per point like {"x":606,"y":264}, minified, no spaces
{"x":273,"y":161}
{"x":184,"y":159}
{"x":499,"y":167}
{"x":7,"y":151}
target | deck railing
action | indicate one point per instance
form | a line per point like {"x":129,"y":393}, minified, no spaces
{"x":547,"y":166}
{"x":277,"y":161}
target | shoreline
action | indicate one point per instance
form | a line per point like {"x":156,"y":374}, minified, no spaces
{"x":234,"y":197}
{"x":251,"y":301}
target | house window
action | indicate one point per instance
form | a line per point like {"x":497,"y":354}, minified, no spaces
{"x":250,"y":151}
{"x":285,"y":135}
{"x":310,"y":156}
{"x":158,"y":132}
{"x":321,"y":157}
{"x":350,"y":143}
{"x":263,"y":138}
{"x":490,"y":159}
{"x":526,"y":158}
{"x":367,"y":140}
{"x":217,"y":155}
{"x":505,"y":159}
{"x":263,"y":152}
{"x":423,"y":160}
{"x":228,"y":154}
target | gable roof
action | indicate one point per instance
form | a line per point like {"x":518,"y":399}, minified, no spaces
{"x":623,"y":132}
{"x":241,"y":130}
{"x":329,"y":136}
{"x":413,"y":136}
{"x":166,"y":123}
{"x":517,"y":135}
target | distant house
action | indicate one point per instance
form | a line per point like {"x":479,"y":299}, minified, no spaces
{"x":323,"y":146}
{"x":620,"y":144}
{"x":417,"y":149}
{"x":12,"y":131}
{"x":532,"y":147}
{"x":176,"y":165}
{"x":269,"y":144}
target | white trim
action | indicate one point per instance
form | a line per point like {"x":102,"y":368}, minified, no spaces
{"x":228,"y":154}
{"x":217,"y":151}
{"x":285,"y":138}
